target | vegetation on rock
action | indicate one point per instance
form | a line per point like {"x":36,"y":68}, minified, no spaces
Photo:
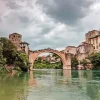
{"x":74,"y":62}
{"x":10,"y":56}
{"x":84,"y":62}
{"x":39,"y":64}
{"x":95,"y":60}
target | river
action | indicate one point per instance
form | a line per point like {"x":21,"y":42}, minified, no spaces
{"x":51,"y":84}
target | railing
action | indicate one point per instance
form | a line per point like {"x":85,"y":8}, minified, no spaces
{"x":47,"y":49}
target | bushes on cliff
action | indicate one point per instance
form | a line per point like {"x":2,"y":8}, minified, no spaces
{"x":84,"y":62}
{"x":8,"y":51}
{"x":95,"y":60}
{"x":21,"y":61}
{"x":39,"y":64}
{"x":74,"y":62}
{"x":10,"y":56}
{"x":2,"y":60}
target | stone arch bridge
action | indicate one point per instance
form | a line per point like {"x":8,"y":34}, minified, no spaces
{"x":66,"y":58}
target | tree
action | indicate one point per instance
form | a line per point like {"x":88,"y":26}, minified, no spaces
{"x":13,"y":57}
{"x":95,"y":60}
{"x":22,"y":61}
{"x":38,"y":60}
{"x":74,"y":62}
{"x":8,"y":50}
{"x":2,"y":60}
{"x":55,"y":55}
{"x":84,"y":63}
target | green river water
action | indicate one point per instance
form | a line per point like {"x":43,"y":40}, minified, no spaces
{"x":51,"y":84}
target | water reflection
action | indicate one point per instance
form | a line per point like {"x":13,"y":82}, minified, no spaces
{"x":32,"y":81}
{"x":12,"y":87}
{"x":67,"y":73}
{"x":51,"y":85}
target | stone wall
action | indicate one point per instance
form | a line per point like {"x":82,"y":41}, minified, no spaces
{"x":16,"y":39}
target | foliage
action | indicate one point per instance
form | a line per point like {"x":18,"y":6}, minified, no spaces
{"x":10,"y":56}
{"x":74,"y":62}
{"x":95,"y":60}
{"x":84,"y":63}
{"x":55,"y":55}
{"x":21,"y":61}
{"x":45,"y":65}
{"x":38,"y":60}
{"x":8,"y":50}
{"x":2,"y":60}
{"x":39,"y":64}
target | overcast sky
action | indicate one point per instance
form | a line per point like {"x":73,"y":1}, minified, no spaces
{"x":49,"y":23}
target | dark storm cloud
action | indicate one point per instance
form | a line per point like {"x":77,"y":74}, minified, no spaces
{"x":49,"y":23}
{"x":12,"y":4}
{"x":66,"y":11}
{"x":24,"y":19}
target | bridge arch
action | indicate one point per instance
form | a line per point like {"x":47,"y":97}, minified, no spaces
{"x":65,"y":58}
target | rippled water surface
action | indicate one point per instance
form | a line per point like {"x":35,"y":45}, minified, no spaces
{"x":51,"y":85}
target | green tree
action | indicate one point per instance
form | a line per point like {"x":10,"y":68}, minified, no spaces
{"x":2,"y":60}
{"x":95,"y":60}
{"x":22,"y":61}
{"x":8,"y":50}
{"x":84,"y":63}
{"x":74,"y":62}
{"x":38,"y":60}
{"x":18,"y":59}
{"x":55,"y":55}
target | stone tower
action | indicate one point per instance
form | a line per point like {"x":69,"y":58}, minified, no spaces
{"x":16,"y":39}
{"x":25,"y":47}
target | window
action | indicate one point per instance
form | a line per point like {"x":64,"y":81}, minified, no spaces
{"x":97,"y":47}
{"x":94,"y":47}
{"x":18,"y":36}
{"x":96,"y":40}
{"x":93,"y":41}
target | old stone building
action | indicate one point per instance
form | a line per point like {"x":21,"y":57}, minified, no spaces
{"x":93,"y":37}
{"x":81,"y":52}
{"x":25,"y":47}
{"x":71,"y":50}
{"x":84,"y":50}
{"x":16,"y":39}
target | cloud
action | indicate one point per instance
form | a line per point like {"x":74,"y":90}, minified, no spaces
{"x":49,"y":23}
{"x":66,"y":11}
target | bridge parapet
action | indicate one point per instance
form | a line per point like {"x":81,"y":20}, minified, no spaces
{"x":47,"y":50}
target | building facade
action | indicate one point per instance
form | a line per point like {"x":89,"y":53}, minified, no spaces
{"x":71,"y":50}
{"x":25,"y":47}
{"x":81,"y":52}
{"x":93,"y":37}
{"x":16,"y":39}
{"x":84,"y":50}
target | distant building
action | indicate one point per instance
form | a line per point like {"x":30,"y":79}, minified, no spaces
{"x":93,"y":37}
{"x":43,"y":58}
{"x":25,"y":47}
{"x":81,"y":52}
{"x":16,"y":39}
{"x":84,"y":50}
{"x":71,"y":49}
